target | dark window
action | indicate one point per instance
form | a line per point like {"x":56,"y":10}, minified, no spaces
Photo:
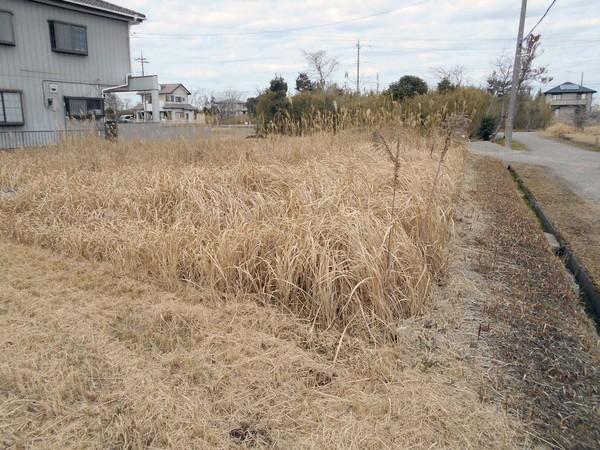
{"x":11,"y":108}
{"x":84,"y":108}
{"x":7,"y":32}
{"x":68,"y":38}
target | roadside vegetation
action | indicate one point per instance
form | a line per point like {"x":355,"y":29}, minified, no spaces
{"x":585,"y":137}
{"x":574,"y":216}
{"x":516,"y":145}
{"x":538,"y":328}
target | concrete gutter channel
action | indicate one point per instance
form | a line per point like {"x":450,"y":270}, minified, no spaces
{"x":587,"y":288}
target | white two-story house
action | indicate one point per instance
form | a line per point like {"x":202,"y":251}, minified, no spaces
{"x":174,"y":104}
{"x":56,"y":57}
{"x":568,"y":99}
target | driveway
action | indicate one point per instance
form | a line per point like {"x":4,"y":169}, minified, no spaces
{"x":579,"y":168}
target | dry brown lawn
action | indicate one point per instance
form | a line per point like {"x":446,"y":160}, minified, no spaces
{"x":546,"y":348}
{"x":94,"y":359}
{"x":588,"y":138}
{"x":576,"y":218}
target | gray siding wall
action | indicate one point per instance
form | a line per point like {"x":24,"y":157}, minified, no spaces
{"x":32,"y":66}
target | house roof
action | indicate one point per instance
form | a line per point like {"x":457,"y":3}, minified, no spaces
{"x":568,"y":87}
{"x":101,"y":5}
{"x":169,"y":88}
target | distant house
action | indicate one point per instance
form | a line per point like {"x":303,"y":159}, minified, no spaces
{"x":569,"y":98}
{"x":231,"y":108}
{"x":174,"y":104}
{"x":56,"y":59}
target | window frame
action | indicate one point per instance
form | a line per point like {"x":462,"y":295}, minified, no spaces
{"x":12,"y":29}
{"x":70,"y":115}
{"x":3,"y":122}
{"x":67,"y":51}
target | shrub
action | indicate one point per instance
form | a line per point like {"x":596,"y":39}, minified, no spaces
{"x":407,"y":86}
{"x":487,"y":127}
{"x":445,"y":85}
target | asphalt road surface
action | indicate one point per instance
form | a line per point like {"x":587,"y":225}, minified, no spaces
{"x":579,"y":168}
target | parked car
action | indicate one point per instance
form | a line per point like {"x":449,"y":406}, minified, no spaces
{"x":126,"y":118}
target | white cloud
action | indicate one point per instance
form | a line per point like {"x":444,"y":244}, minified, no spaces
{"x":409,"y":40}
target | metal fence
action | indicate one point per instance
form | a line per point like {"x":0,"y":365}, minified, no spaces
{"x":123,"y":132}
{"x":25,"y":139}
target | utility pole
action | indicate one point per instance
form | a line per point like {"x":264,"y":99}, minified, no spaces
{"x":581,"y":80}
{"x":142,"y":61}
{"x":378,"y":82}
{"x":358,"y":67}
{"x":512,"y":103}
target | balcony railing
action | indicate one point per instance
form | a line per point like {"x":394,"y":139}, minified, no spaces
{"x":569,"y":102}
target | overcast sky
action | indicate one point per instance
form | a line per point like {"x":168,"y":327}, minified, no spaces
{"x":219,"y":45}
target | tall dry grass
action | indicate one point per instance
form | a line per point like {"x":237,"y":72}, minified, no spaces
{"x":589,"y":136}
{"x":299,"y":222}
{"x":559,"y":129}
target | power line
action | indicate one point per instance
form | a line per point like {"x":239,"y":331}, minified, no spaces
{"x":541,"y":19}
{"x":288,"y":30}
{"x":372,"y":53}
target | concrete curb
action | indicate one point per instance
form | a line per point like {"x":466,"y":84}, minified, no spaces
{"x":583,"y":278}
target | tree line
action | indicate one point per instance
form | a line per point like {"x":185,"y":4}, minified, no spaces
{"x":315,"y":94}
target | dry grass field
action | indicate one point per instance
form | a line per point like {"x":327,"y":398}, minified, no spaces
{"x":96,"y":360}
{"x":588,"y":138}
{"x":260,"y":293}
{"x":328,"y":291}
{"x":316,"y":225}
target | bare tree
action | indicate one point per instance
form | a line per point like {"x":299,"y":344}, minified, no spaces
{"x":528,"y":71}
{"x":112,"y":104}
{"x":231,"y":95}
{"x":126,"y":103}
{"x":499,"y":82}
{"x":199,"y":98}
{"x":321,"y":66}
{"x":457,"y":75}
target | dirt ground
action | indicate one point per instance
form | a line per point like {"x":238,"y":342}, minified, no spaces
{"x":576,"y":218}
{"x":506,"y":358}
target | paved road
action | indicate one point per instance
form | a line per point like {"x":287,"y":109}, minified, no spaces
{"x":579,"y":168}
